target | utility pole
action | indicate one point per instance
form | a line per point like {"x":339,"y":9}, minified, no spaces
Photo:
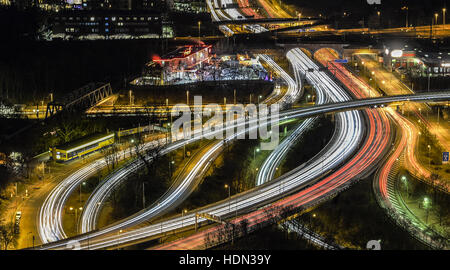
{"x":143,"y":195}
{"x":438,"y":116}
{"x":196,"y":220}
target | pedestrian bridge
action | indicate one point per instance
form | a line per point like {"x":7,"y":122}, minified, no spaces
{"x":81,"y":99}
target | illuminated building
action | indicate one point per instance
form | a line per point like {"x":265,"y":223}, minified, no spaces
{"x":184,"y":59}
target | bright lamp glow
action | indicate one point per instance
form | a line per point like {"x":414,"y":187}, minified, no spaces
{"x":397,"y":53}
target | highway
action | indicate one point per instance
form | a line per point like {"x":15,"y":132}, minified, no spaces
{"x":184,"y":183}
{"x":271,"y":163}
{"x":290,"y":114}
{"x":373,"y":147}
{"x":386,"y":188}
{"x":351,"y":130}
{"x":217,"y":16}
{"x":268,"y":168}
{"x":49,"y":206}
{"x":50,"y":217}
{"x":274,"y":11}
{"x":218,"y":13}
{"x":375,"y":101}
{"x":407,"y":146}
{"x":50,"y":214}
{"x":377,"y":119}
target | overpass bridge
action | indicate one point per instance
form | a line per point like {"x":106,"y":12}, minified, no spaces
{"x":248,"y":20}
{"x":344,"y":49}
{"x":81,"y":99}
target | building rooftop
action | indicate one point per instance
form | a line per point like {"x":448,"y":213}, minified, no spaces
{"x":183,"y":52}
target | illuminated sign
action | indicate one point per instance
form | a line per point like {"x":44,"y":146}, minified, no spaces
{"x":397,"y":53}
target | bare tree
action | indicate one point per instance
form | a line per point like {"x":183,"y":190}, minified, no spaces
{"x":7,"y":235}
{"x":147,"y":154}
{"x":65,"y":130}
{"x":111,"y":156}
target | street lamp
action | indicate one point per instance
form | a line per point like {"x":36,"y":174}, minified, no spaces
{"x":429,"y":155}
{"x":405,"y":182}
{"x":76,"y":214}
{"x":118,"y":238}
{"x":443,"y":15}
{"x":229,"y":195}
{"x":406,"y":8}
{"x":182,"y":215}
{"x":199,"y":23}
{"x":436,"y":17}
{"x":256,"y":150}
{"x":170,"y":167}
{"x":426,"y":205}
{"x":379,"y":18}
{"x":82,"y":184}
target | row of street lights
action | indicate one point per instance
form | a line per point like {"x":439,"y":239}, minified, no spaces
{"x":436,"y":15}
{"x":426,"y":203}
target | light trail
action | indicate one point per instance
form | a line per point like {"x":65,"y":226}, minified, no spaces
{"x":269,"y":167}
{"x":50,"y":222}
{"x":272,"y":11}
{"x":50,"y":214}
{"x":215,"y":17}
{"x":374,"y":146}
{"x":290,"y":114}
{"x":350,"y":132}
{"x":376,"y":118}
{"x":234,"y":14}
{"x":98,"y":197}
